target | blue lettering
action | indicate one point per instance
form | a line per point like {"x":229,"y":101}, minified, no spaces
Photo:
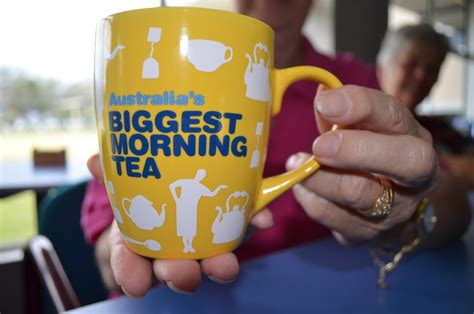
{"x":118,"y":163}
{"x":151,"y":169}
{"x":215,"y":143}
{"x":182,"y":100}
{"x":138,"y":144}
{"x":146,"y":125}
{"x":188,"y":120}
{"x":114,"y":121}
{"x":180,"y":144}
{"x":121,"y":100}
{"x":119,"y":146}
{"x":239,"y":150}
{"x":126,"y":120}
{"x":172,"y":98}
{"x":202,"y":144}
{"x":130,"y":100}
{"x":131,"y":164}
{"x":233,"y":117}
{"x":172,"y":125}
{"x":156,"y":100}
{"x":212,"y":118}
{"x":199,"y":100}
{"x":140,"y":99}
{"x":112,"y":99}
{"x":160,"y":141}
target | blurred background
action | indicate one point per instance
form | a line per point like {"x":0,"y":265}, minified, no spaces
{"x":46,"y":62}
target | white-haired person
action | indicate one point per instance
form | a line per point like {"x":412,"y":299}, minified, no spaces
{"x":408,"y":66}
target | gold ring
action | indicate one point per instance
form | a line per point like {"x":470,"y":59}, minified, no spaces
{"x":382,"y":205}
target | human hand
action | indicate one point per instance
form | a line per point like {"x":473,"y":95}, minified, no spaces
{"x":383,"y":139}
{"x":135,"y":274}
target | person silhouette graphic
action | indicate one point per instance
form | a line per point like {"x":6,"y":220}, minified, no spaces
{"x":187,"y":204}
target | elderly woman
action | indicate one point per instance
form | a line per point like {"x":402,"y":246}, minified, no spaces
{"x":409,"y":62}
{"x":384,"y":166}
{"x":408,"y":66}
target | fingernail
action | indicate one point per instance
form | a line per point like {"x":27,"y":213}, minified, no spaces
{"x":175,"y":289}
{"x":332,"y":104}
{"x":294,"y":161}
{"x":220,"y":281}
{"x":161,"y":284}
{"x":130,"y":295}
{"x":327,"y":145}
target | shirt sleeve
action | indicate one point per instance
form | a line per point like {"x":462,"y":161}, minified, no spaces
{"x":96,"y":213}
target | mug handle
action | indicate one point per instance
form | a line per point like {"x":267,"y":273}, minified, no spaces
{"x":272,"y":187}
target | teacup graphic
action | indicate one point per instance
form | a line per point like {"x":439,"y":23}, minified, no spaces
{"x":208,"y":55}
{"x":141,"y":211}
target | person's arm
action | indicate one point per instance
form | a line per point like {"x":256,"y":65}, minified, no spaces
{"x":452,"y":211}
{"x":463,"y":166}
{"x":210,"y":193}
{"x":205,"y":191}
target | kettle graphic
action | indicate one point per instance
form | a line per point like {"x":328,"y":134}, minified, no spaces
{"x":257,"y":77}
{"x":141,"y":211}
{"x":229,"y":225}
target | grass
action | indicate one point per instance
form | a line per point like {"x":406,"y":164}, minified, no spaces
{"x":18,"y":219}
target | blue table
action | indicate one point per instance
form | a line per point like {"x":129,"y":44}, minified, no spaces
{"x":324,"y":277}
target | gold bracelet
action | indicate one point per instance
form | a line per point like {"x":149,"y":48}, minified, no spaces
{"x":378,"y":252}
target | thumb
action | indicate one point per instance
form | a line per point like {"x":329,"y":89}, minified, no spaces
{"x":95,"y":168}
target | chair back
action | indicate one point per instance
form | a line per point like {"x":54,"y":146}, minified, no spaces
{"x":59,"y":220}
{"x":52,"y":274}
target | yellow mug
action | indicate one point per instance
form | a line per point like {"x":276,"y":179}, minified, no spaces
{"x":184,"y":101}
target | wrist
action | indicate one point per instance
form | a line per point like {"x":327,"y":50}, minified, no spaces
{"x":419,"y":226}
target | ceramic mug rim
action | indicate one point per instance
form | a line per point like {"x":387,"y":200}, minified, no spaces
{"x":187,"y":9}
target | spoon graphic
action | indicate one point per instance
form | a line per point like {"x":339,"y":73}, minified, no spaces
{"x":149,"y":244}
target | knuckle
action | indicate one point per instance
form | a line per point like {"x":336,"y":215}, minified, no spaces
{"x":315,"y":213}
{"x":354,"y":190}
{"x":397,"y":115}
{"x":425,"y":167}
{"x":359,"y":97}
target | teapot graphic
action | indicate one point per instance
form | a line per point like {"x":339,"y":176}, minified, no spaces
{"x":229,"y":225}
{"x":257,"y":77}
{"x":141,"y":211}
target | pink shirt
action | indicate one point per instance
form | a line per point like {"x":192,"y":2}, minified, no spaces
{"x":293,"y":130}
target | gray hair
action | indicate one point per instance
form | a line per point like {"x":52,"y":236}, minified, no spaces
{"x":420,"y":35}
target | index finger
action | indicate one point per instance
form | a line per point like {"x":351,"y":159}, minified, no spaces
{"x":368,"y":109}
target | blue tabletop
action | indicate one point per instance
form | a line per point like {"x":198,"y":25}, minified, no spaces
{"x":323,"y":277}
